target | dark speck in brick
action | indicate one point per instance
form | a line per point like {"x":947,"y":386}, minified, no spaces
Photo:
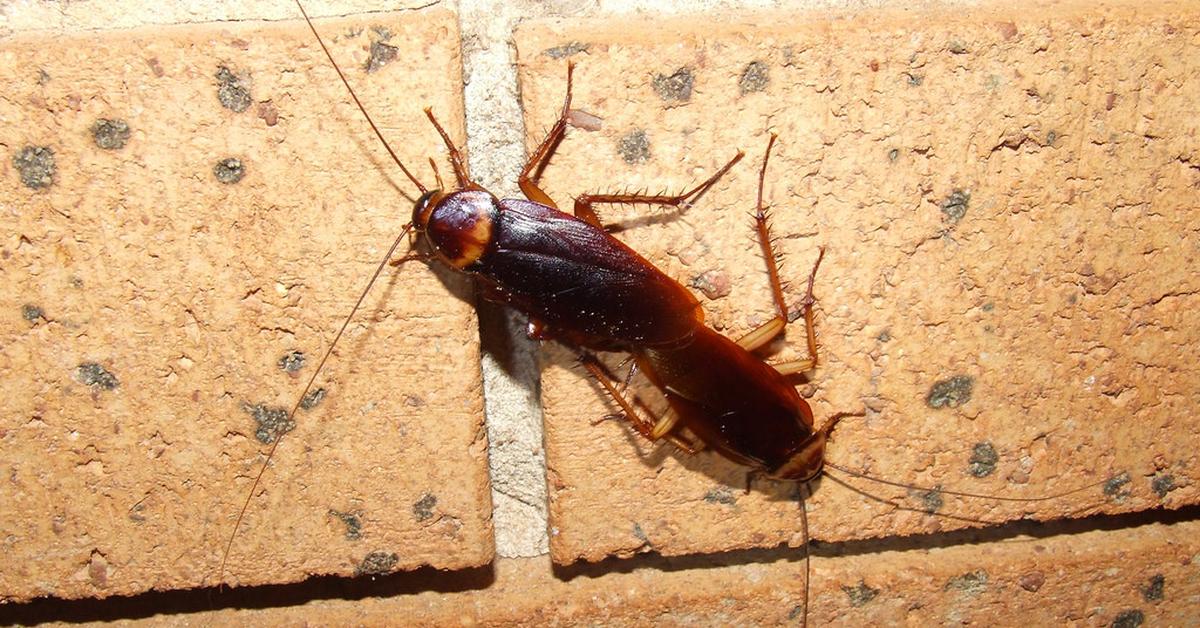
{"x":721,"y":495}
{"x":377,"y":563}
{"x":951,"y":392}
{"x":381,"y":55}
{"x":1117,"y":487}
{"x":35,"y":166}
{"x":634,"y":147}
{"x":860,"y":594}
{"x":313,"y":398}
{"x":675,"y":87}
{"x":1129,"y":619}
{"x":32,"y":312}
{"x":353,"y":523}
{"x":229,"y":170}
{"x":983,"y":460}
{"x":931,"y":501}
{"x":423,"y":508}
{"x":110,"y":134}
{"x":233,"y":90}
{"x":640,"y":533}
{"x":1153,"y":591}
{"x":273,"y":421}
{"x":1163,"y":484}
{"x":971,"y":583}
{"x":92,"y":374}
{"x":292,"y":361}
{"x":755,"y":78}
{"x":567,"y":50}
{"x":914,"y":80}
{"x":955,"y":205}
{"x":893,"y":154}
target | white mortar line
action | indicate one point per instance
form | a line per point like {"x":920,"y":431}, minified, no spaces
{"x":495,"y":141}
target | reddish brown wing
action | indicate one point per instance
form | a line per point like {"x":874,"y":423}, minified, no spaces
{"x":730,"y":399}
{"x":574,"y":276}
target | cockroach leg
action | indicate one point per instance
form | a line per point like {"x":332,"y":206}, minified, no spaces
{"x":461,"y":173}
{"x":768,"y":330}
{"x":809,"y":363}
{"x":532,"y":172}
{"x":762,"y":225}
{"x":640,"y":424}
{"x":411,"y":257}
{"x":762,"y":334}
{"x":665,"y":424}
{"x":585,"y":202}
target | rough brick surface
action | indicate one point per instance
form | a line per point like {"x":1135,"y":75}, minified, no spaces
{"x":1009,"y":296}
{"x":149,"y":307}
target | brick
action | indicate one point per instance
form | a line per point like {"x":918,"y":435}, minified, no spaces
{"x":150,"y":307}
{"x":1084,"y":577}
{"x":1006,"y":197}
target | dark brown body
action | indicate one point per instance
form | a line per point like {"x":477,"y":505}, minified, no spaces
{"x":581,"y":286}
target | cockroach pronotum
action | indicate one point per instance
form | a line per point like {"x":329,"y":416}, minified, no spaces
{"x":581,"y":286}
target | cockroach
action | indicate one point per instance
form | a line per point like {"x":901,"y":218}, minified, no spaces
{"x":573,"y":279}
{"x":579,"y":285}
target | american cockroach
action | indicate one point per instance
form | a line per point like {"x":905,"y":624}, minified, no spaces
{"x":572,"y":278}
{"x":665,"y":358}
{"x":580,"y":285}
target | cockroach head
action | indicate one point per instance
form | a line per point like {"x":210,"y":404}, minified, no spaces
{"x":424,"y":209}
{"x":457,"y":225}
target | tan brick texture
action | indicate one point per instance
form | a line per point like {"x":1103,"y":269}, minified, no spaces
{"x":1007,"y":199}
{"x":154,"y":293}
{"x":1006,"y":194}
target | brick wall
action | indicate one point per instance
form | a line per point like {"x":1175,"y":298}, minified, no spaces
{"x":1006,"y":196}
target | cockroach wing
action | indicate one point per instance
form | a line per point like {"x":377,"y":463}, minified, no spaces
{"x":580,"y":282}
{"x":732,"y":400}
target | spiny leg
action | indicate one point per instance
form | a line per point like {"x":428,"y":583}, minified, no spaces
{"x":768,"y":330}
{"x":640,"y":424}
{"x":669,"y":420}
{"x":809,"y":363}
{"x":457,"y":160}
{"x":540,"y":157}
{"x":584,"y":203}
